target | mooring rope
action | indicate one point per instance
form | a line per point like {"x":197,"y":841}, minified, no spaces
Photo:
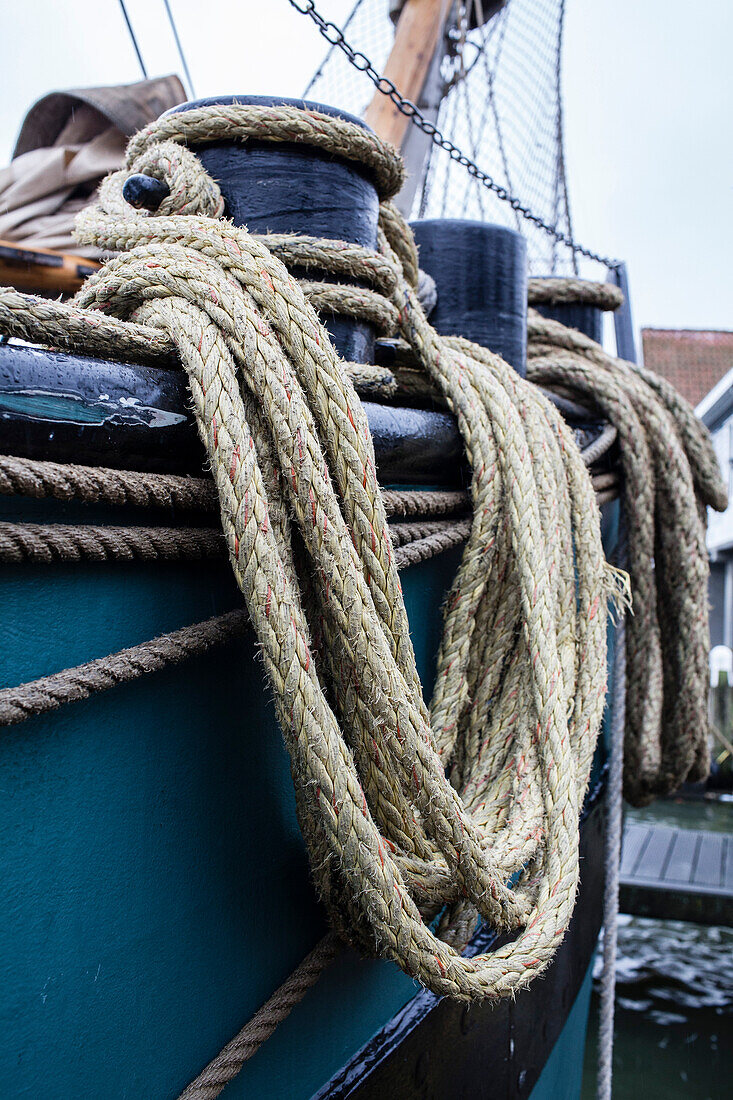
{"x":410,"y":816}
{"x":670,"y":476}
{"x":575,"y":292}
{"x":63,"y":325}
{"x":75,"y":542}
{"x":49,"y":542}
{"x":41,"y":480}
{"x":17,"y":704}
{"x":394,"y":840}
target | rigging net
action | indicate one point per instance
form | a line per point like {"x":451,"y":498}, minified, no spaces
{"x":502,"y":106}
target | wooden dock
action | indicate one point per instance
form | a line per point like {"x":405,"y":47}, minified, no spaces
{"x":677,"y":874}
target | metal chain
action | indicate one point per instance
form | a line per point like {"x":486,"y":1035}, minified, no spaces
{"x":335,"y":37}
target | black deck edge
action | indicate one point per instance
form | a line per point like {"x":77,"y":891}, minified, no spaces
{"x":70,"y":408}
{"x":436,"y":1047}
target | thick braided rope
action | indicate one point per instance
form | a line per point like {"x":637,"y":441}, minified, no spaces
{"x":670,"y":475}
{"x":273,"y":124}
{"x":545,"y":335}
{"x":517,"y":787}
{"x":63,"y":325}
{"x":358,"y":704}
{"x":200,"y":264}
{"x":564,"y":291}
{"x":522,"y":667}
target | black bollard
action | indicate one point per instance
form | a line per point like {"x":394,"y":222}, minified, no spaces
{"x":274,"y":187}
{"x":578,"y":315}
{"x":480,"y":272}
{"x":65,"y":408}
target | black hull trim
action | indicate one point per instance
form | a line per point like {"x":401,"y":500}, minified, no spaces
{"x":443,"y":1049}
{"x":69,"y":408}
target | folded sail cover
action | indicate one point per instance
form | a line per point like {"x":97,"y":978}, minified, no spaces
{"x":68,"y":142}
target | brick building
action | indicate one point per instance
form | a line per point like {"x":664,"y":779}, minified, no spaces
{"x":692,"y":360}
{"x":700,"y":365}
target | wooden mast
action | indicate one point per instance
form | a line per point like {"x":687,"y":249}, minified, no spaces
{"x":419,"y":30}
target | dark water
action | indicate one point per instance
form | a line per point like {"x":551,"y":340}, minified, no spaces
{"x":674,"y":995}
{"x":714,"y":816}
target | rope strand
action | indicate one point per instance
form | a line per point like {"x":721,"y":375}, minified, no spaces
{"x":227,"y":1064}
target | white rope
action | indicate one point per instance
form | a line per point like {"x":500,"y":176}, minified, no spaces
{"x":612,"y":857}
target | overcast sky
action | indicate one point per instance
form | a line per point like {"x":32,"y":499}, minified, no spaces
{"x":648,"y":92}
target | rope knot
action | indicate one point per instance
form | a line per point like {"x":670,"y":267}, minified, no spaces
{"x":190,"y":188}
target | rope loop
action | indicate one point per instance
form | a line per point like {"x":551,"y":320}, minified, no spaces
{"x":191,"y":189}
{"x":466,"y":809}
{"x":407,"y":811}
{"x":281,"y":124}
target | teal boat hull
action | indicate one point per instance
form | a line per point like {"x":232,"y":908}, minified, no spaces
{"x":155,"y":886}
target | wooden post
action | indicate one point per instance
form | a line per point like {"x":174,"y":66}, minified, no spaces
{"x":416,"y":143}
{"x":41,"y":270}
{"x":419,"y":30}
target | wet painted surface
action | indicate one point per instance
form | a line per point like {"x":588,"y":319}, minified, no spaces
{"x":562,"y":1076}
{"x":68,"y":408}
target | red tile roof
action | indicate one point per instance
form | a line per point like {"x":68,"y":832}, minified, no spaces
{"x":691,"y":359}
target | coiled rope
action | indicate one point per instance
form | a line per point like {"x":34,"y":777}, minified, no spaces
{"x":410,"y":815}
{"x":670,"y":476}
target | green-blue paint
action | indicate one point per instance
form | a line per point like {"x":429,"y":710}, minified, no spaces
{"x":154,"y":886}
{"x":69,"y":410}
{"x":73,"y":409}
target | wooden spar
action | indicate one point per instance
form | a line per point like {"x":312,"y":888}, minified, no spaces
{"x":419,"y":30}
{"x":41,"y":270}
